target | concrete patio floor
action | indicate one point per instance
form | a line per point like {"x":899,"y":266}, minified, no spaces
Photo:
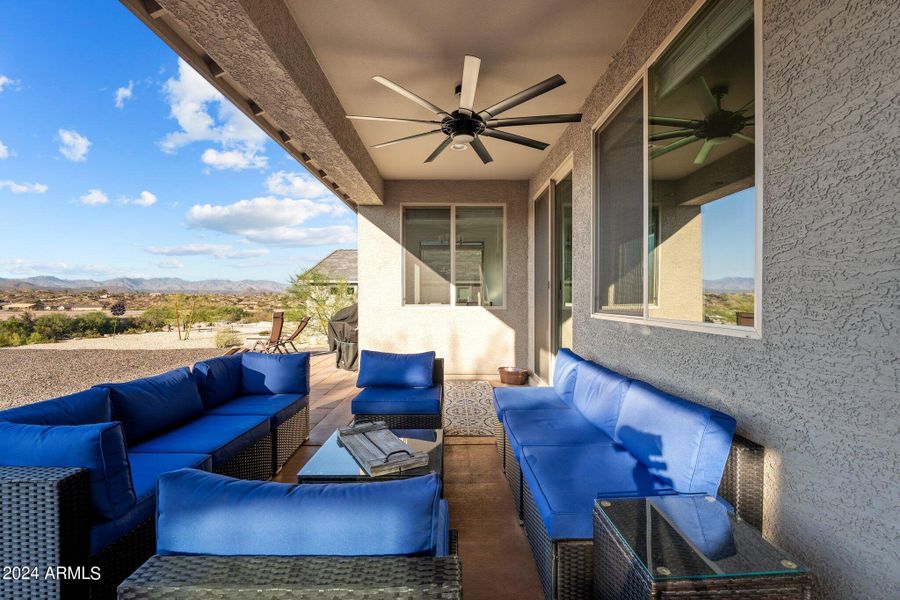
{"x":497,"y":561}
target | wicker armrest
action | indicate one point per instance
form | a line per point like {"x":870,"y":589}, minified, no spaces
{"x":742,"y":480}
{"x":297,"y":577}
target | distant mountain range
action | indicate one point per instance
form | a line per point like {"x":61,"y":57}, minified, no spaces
{"x":136,"y":284}
{"x":728,"y":285}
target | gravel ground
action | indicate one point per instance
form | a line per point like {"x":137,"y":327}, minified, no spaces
{"x":28,"y":375}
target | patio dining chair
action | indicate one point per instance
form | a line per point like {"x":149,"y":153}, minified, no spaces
{"x":271,"y":344}
{"x":289,"y":341}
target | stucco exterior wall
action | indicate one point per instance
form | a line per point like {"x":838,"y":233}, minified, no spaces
{"x":820,"y":389}
{"x":473,"y":340}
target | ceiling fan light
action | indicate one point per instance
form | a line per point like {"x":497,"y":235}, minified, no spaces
{"x":463,"y":138}
{"x":459,"y":147}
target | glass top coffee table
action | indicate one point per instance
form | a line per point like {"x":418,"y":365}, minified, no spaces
{"x":686,"y":544}
{"x":332,"y":463}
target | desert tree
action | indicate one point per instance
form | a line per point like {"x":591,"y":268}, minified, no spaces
{"x":319,"y":297}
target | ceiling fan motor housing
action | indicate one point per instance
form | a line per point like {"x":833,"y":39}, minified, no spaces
{"x":462,"y":127}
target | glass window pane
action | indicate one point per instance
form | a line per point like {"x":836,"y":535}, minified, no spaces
{"x":619,"y":283}
{"x":479,"y":256}
{"x":702,"y":169}
{"x":426,"y":250}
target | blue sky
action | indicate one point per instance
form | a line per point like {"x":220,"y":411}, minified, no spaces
{"x":116,"y":159}
{"x":728,"y":231}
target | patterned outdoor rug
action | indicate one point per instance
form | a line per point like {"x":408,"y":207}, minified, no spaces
{"x":467,"y":408}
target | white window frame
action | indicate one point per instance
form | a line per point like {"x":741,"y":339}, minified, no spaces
{"x":641,"y":79}
{"x":452,"y":206}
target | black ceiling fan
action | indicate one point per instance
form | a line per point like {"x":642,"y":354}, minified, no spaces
{"x":464,"y":127}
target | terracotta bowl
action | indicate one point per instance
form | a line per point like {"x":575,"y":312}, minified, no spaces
{"x":513,"y":375}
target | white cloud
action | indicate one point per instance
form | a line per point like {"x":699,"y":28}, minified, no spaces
{"x":286,"y":183}
{"x":73,"y":145}
{"x":215,"y":250}
{"x":94,"y":197}
{"x":21,"y":266}
{"x":205,"y":115}
{"x":122,"y":94}
{"x":265,"y":212}
{"x":4,"y":150}
{"x":23,"y":188}
{"x":145,"y":199}
{"x":303,"y":236}
{"x":170,"y":263}
{"x":7,"y":82}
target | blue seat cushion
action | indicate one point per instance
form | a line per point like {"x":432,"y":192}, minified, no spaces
{"x":219,"y":379}
{"x":683,"y":443}
{"x":203,"y":513}
{"x":82,"y":408}
{"x":564,"y":374}
{"x":220,"y":436}
{"x":97,"y":447}
{"x":598,"y":395}
{"x":145,"y":470}
{"x":397,"y":401}
{"x":152,"y":405}
{"x":395,"y":370}
{"x":550,"y":427}
{"x":565,"y":481}
{"x":525,"y":398}
{"x":263,"y":374}
{"x":278,"y":407}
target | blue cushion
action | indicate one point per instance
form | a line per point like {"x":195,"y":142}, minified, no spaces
{"x":149,"y":406}
{"x":525,"y":398}
{"x":278,"y":407}
{"x":681,"y":442}
{"x":397,"y":401}
{"x":550,"y":427}
{"x":275,"y":373}
{"x":703,"y":520}
{"x":395,"y":370}
{"x":565,"y":481}
{"x":98,"y":447}
{"x":203,"y":513}
{"x":564,"y":374}
{"x":219,"y":379}
{"x":217,"y":435}
{"x":89,"y":406}
{"x":598,"y":395}
{"x":145,"y":469}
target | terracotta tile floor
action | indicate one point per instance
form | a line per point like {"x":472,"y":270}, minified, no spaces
{"x":497,"y":561}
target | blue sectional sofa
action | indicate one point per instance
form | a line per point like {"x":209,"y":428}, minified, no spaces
{"x":78,"y":474}
{"x":597,"y":434}
{"x":406,"y":391}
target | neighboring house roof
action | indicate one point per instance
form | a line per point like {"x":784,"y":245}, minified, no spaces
{"x":340,"y":265}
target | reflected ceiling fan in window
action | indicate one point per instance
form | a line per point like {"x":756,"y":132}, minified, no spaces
{"x":718,"y":125}
{"x":464,"y":127}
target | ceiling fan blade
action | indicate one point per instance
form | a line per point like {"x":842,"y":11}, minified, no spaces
{"x":391,"y":119}
{"x":656,"y":153}
{"x":481,"y":151}
{"x":704,"y":152}
{"x":704,"y":97}
{"x":441,"y":147}
{"x":523,"y":96}
{"x":403,"y":139}
{"x":471,"y":66}
{"x":674,"y":122}
{"x":536,"y":120}
{"x":515,"y":139}
{"x":745,"y":138}
{"x":747,"y":106}
{"x":668,"y":135}
{"x":410,"y":96}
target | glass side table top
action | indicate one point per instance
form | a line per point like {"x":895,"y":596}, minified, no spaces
{"x":693,"y":537}
{"x":333,"y":463}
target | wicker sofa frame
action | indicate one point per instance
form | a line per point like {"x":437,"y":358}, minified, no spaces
{"x":416,"y":421}
{"x":289,"y":436}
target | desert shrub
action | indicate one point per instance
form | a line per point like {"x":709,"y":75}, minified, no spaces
{"x":92,"y":325}
{"x":228,"y":338}
{"x":37,"y":338}
{"x":154,"y":319}
{"x":10,"y":338}
{"x":52,"y":327}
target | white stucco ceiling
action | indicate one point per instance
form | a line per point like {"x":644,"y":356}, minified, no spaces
{"x":421,"y":44}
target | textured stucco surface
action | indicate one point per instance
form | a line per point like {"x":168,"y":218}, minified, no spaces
{"x":820,"y":389}
{"x":473,"y":340}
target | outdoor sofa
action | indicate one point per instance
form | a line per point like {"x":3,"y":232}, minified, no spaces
{"x":78,"y":473}
{"x":219,"y":537}
{"x":596,"y":434}
{"x":406,"y":391}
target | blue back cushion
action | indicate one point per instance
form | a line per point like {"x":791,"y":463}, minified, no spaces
{"x":683,"y":443}
{"x":598,"y":395}
{"x":205,"y":513}
{"x":275,"y":373}
{"x":98,"y":447}
{"x":564,"y":374}
{"x":150,"y":406}
{"x":89,"y":406}
{"x":703,"y":520}
{"x":395,"y":370}
{"x":219,"y":379}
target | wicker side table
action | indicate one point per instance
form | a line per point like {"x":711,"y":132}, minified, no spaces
{"x":687,"y":546}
